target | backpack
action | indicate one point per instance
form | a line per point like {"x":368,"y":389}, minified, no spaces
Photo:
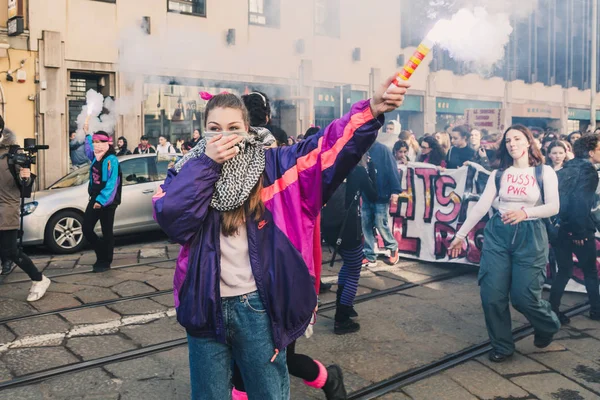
{"x":552,"y":223}
{"x":334,"y":217}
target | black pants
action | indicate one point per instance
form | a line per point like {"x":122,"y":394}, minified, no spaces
{"x":9,"y":251}
{"x":586,"y":257}
{"x":104,"y":247}
{"x":299,"y":365}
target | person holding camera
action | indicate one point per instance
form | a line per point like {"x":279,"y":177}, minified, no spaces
{"x":105,"y":195}
{"x":13,"y":180}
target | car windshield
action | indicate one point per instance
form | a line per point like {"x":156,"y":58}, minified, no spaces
{"x":75,"y":178}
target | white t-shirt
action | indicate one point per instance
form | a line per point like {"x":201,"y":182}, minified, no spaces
{"x":518,"y":191}
{"x":236,"y":273}
{"x":166,"y":149}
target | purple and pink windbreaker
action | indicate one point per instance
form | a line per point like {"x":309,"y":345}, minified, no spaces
{"x":297,"y":181}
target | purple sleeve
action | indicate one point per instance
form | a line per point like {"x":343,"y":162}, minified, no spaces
{"x":182,"y":204}
{"x":324,"y":160}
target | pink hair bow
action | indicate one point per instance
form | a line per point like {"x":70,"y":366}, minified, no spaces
{"x":207,"y":96}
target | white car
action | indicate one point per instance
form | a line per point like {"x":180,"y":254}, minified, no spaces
{"x":54,"y":217}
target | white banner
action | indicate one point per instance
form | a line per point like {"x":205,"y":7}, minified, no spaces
{"x":491,"y":119}
{"x":434,"y":205}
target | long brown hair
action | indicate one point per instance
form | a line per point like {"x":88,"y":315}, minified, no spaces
{"x":253,"y":206}
{"x":535,"y":155}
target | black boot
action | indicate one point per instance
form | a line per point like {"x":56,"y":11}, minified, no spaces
{"x":324,"y":287}
{"x":542,"y":341}
{"x":7,"y":267}
{"x":564,"y":320}
{"x":343,"y":323}
{"x":338,"y":298}
{"x":101,"y":264}
{"x":334,"y":386}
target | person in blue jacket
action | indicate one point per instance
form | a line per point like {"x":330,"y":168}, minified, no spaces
{"x":105,"y":195}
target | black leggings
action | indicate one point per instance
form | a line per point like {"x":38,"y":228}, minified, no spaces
{"x":104,"y":247}
{"x":9,"y":251}
{"x":586,"y":256}
{"x":299,"y":365}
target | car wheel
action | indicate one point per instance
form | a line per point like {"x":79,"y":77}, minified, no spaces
{"x":64,"y":233}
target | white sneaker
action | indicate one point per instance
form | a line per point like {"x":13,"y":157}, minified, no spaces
{"x":38,"y":289}
{"x":366,"y":263}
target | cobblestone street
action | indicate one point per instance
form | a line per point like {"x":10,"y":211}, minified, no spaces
{"x":90,"y":336}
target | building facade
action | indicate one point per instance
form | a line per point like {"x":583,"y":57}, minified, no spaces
{"x":312,"y":58}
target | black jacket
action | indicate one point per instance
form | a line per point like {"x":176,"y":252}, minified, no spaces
{"x":456,"y":156}
{"x":363,"y":182}
{"x":577,"y":183}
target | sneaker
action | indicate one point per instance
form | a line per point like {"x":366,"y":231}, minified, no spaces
{"x":7,"y":267}
{"x":344,"y":327}
{"x":38,"y":289}
{"x":540,"y":341}
{"x":496,"y":357}
{"x":100,"y":266}
{"x":393,"y":258}
{"x":366,"y":263}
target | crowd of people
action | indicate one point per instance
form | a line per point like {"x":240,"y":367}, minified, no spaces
{"x":251,"y":207}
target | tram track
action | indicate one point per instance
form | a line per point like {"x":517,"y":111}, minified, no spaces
{"x":168,"y":345}
{"x":89,"y":271}
{"x":452,"y":360}
{"x":324,"y":307}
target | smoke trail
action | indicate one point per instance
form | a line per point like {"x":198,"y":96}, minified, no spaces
{"x":96,"y":104}
{"x":474,"y":36}
{"x":477,"y":31}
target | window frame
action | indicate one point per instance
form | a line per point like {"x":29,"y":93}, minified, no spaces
{"x":188,"y":13}
{"x":107,"y":1}
{"x":150,"y":169}
{"x":335,"y":35}
{"x":266,"y":5}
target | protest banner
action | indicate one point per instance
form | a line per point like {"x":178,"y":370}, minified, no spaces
{"x":491,"y":119}
{"x":433,"y":206}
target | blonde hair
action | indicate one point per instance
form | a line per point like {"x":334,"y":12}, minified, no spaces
{"x":409,"y":138}
{"x":444,"y":140}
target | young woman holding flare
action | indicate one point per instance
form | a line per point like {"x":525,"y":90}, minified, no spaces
{"x":250,"y":310}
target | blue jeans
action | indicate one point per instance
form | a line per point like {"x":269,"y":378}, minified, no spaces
{"x":250,"y":344}
{"x":376,"y":215}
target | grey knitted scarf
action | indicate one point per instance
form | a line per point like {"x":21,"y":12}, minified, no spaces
{"x":240,"y":174}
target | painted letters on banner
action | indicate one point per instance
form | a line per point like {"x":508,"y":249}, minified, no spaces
{"x":433,"y":206}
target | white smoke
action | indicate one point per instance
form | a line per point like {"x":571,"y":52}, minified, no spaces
{"x":93,"y":102}
{"x":479,"y":30}
{"x":474,"y":36}
{"x":95,"y":105}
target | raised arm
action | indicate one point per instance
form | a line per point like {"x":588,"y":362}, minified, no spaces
{"x":314,"y":168}
{"x":89,"y":148}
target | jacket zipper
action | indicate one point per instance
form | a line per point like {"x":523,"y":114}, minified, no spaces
{"x":253,"y":252}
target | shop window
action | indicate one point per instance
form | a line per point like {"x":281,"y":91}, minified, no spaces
{"x":264,"y":12}
{"x":327,"y":17}
{"x":191,"y":7}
